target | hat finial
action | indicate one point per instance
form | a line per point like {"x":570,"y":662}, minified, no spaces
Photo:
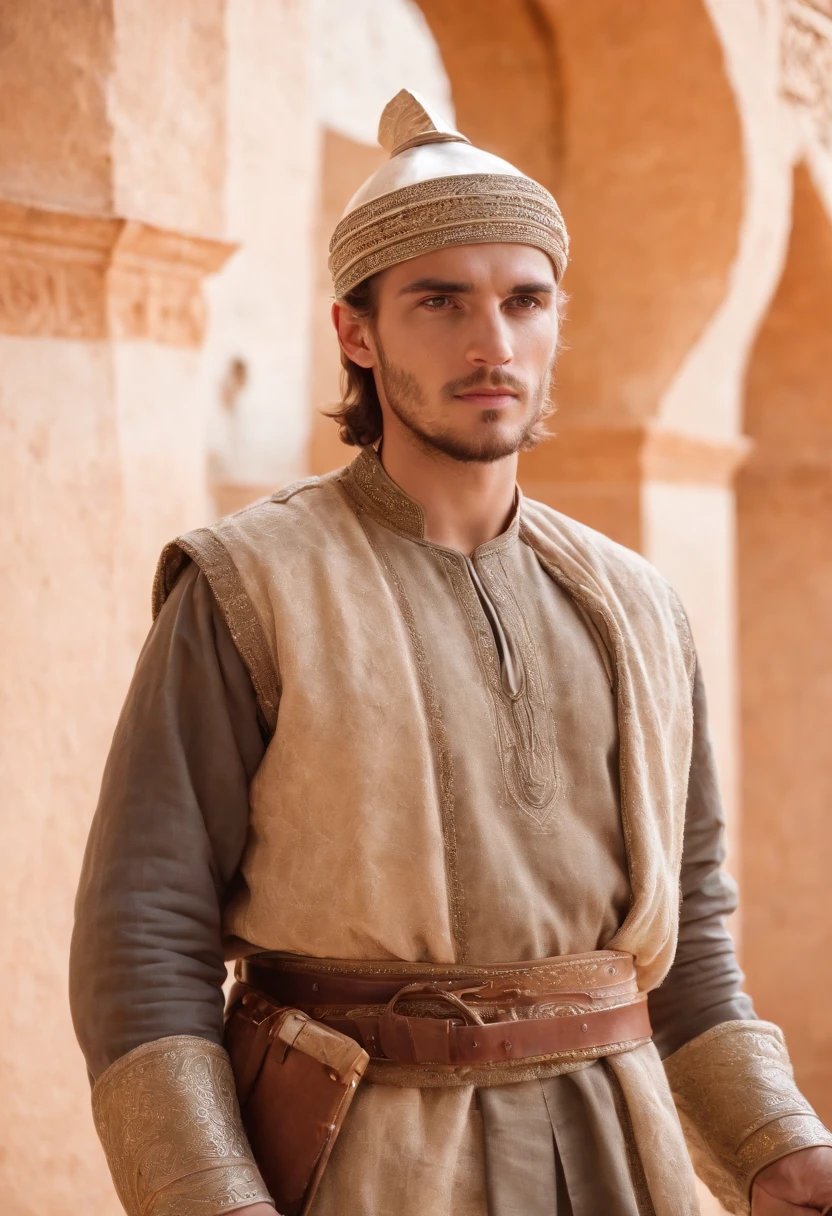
{"x":407,"y":121}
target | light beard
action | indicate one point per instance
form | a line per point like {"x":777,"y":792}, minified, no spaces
{"x":405,"y":396}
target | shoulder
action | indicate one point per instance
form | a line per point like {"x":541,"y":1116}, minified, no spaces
{"x":219,"y":548}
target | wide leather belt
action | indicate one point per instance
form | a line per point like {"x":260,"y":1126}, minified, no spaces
{"x":414,"y":1014}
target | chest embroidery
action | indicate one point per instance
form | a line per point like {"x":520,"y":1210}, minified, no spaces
{"x":523,"y":722}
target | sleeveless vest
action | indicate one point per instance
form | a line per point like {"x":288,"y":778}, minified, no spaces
{"x":348,"y":817}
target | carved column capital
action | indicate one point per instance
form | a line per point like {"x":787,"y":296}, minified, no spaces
{"x":68,"y":275}
{"x":807,"y":62}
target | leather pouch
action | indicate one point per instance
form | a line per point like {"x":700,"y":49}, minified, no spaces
{"x":295,"y":1081}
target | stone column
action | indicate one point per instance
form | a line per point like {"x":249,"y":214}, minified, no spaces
{"x":112,"y":155}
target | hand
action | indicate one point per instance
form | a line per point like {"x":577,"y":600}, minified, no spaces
{"x":798,"y":1183}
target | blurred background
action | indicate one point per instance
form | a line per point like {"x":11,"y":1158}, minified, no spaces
{"x":170,"y":174}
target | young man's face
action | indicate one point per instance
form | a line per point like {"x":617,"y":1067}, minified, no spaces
{"x":463,"y":346}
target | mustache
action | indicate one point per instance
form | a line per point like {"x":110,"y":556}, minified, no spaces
{"x":485,"y":379}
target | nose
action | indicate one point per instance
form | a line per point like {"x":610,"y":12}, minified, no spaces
{"x":489,"y":343}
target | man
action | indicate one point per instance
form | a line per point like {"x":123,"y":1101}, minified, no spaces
{"x":401,"y":727}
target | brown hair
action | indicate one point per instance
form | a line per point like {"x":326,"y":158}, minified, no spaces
{"x":359,"y":415}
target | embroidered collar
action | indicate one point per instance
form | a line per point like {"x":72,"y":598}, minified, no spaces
{"x":368,"y":484}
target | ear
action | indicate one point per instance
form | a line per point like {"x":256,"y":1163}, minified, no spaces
{"x":353,"y":335}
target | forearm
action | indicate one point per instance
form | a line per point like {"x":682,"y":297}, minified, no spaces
{"x":740,"y":1107}
{"x":704,"y":986}
{"x":170,"y":1126}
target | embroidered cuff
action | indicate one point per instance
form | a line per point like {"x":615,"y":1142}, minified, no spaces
{"x":739,"y":1106}
{"x":168,"y":1119}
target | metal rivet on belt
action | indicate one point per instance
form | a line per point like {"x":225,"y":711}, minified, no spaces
{"x":584,"y":1027}
{"x":507,"y":1045}
{"x":315,"y":987}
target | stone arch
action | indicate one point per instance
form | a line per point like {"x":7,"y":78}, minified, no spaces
{"x":784,"y":505}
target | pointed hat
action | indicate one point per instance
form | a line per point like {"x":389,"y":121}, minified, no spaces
{"x":438,"y":190}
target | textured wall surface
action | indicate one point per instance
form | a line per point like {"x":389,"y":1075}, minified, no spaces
{"x":101,"y":460}
{"x":64,"y":672}
{"x":56,"y":132}
{"x":166,"y":99}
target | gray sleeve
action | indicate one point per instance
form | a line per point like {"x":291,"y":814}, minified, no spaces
{"x":166,"y":840}
{"x":704,"y":985}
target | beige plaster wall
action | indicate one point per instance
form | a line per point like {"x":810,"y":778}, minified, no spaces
{"x":65,"y":663}
{"x":96,"y":471}
{"x":101,"y":463}
{"x":166,"y":102}
{"x":55,"y":137}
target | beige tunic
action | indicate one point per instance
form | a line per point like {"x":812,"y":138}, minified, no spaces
{"x":541,"y":862}
{"x":520,"y":688}
{"x":540,"y":866}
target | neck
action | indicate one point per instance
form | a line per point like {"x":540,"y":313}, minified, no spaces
{"x":464,"y":504}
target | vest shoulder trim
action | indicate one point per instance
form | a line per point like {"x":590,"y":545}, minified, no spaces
{"x":628,"y":571}
{"x":205,"y":547}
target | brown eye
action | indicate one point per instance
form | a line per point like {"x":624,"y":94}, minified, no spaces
{"x":436,"y":302}
{"x":526,"y":302}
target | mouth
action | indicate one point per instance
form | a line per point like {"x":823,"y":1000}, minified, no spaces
{"x":489,"y":398}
